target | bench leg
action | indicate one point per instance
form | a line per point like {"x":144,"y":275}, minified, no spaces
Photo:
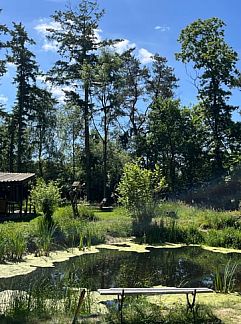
{"x":190,"y":305}
{"x":120,"y":305}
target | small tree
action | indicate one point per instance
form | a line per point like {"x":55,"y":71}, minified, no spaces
{"x":46,"y":198}
{"x":137,"y":189}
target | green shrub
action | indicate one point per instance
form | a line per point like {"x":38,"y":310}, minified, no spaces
{"x":227,"y":237}
{"x":192,"y":235}
{"x":136,"y":191}
{"x":45,"y":197}
{"x":137,"y":186}
{"x":86,"y":213}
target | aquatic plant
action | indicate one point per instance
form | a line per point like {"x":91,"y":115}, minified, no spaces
{"x":17,"y":245}
{"x":13,"y":242}
{"x":224,"y":280}
{"x":2,"y":245}
{"x":44,"y":236}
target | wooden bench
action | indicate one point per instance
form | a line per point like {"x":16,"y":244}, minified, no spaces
{"x":122,"y":292}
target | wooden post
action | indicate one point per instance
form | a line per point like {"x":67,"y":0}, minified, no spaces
{"x":81,"y":299}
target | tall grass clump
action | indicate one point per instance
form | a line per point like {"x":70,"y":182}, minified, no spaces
{"x":44,"y":301}
{"x":13,"y":242}
{"x":16,"y":245}
{"x":220,"y":220}
{"x":44,"y":236}
{"x":167,"y":229}
{"x":224,"y":280}
{"x":141,"y":311}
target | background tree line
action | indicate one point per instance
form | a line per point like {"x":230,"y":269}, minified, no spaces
{"x":116,"y":108}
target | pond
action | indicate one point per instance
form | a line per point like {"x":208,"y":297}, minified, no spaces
{"x":186,"y":266}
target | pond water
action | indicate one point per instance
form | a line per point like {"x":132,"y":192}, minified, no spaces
{"x":186,"y":266}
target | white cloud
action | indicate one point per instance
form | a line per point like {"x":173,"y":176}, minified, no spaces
{"x":162,"y":28}
{"x":42,"y":28}
{"x":50,"y":46}
{"x":45,"y":24}
{"x":97,"y":33}
{"x":145,"y":56}
{"x":123,"y":46}
{"x":10,"y":65}
{"x":3,"y":99}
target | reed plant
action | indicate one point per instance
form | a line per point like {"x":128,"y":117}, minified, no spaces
{"x":13,"y":242}
{"x":224,"y":280}
{"x":17,"y":245}
{"x":44,"y":236}
{"x":3,"y":245}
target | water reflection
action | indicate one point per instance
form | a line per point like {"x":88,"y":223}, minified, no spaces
{"x":189,"y":266}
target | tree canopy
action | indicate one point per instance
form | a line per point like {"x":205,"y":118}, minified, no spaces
{"x":117,"y":109}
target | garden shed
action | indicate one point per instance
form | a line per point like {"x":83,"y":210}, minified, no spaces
{"x":14,"y":194}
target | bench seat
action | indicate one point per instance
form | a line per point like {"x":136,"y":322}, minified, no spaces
{"x":152,"y":291}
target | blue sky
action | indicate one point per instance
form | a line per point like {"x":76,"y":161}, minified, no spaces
{"x":152,"y":26}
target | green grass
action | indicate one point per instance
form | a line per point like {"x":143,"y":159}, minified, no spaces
{"x":198,"y":225}
{"x":175,"y":222}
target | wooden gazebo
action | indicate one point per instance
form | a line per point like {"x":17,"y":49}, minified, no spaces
{"x":14,"y":193}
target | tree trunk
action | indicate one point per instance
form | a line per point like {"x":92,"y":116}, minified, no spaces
{"x":73,"y":152}
{"x":40,"y":166}
{"x":87,"y":141}
{"x":105,"y":154}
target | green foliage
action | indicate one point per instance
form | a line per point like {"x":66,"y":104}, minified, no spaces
{"x":192,"y":235}
{"x":45,"y":197}
{"x":13,"y":242}
{"x":227,"y":237}
{"x":43,"y":302}
{"x":16,"y":245}
{"x":136,"y":190}
{"x":224,"y":279}
{"x":44,"y":236}
{"x":168,"y":230}
{"x":166,"y":129}
{"x":141,"y":311}
{"x":203,"y":43}
{"x":86,"y":213}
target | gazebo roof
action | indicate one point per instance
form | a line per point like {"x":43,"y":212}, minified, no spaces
{"x":15,"y":177}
